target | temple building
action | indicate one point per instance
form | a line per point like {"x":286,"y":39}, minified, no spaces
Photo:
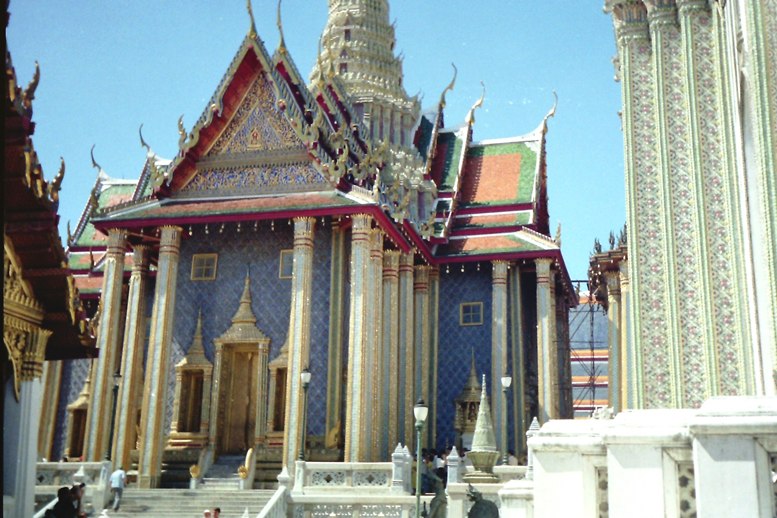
{"x":330,"y":226}
{"x":691,"y":293}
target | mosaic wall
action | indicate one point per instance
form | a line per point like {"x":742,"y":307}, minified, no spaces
{"x":271,"y":297}
{"x":74,"y":374}
{"x":456,"y":342}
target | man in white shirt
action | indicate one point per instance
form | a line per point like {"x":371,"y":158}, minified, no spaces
{"x":118,"y":481}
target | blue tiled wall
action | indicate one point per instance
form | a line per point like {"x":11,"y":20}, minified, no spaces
{"x":456,"y":342}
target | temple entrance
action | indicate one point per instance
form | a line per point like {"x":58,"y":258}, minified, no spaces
{"x":238,"y":399}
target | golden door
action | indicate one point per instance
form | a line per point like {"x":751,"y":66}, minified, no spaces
{"x":238,"y":397}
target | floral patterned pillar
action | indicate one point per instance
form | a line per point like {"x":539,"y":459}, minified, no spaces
{"x":158,"y":359}
{"x":299,"y":338}
{"x":355,"y":439}
{"x":375,"y":395}
{"x":407,"y":396}
{"x":391,"y":364}
{"x":547,"y":393}
{"x":614,"y":346}
{"x":108,"y":342}
{"x":421,"y":335}
{"x":499,"y":366}
{"x":334,"y":383}
{"x":132,"y":358}
{"x":434,"y":305}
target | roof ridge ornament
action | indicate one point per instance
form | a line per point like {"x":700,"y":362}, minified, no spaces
{"x":282,"y":42}
{"x":450,"y":86}
{"x":470,"y":118}
{"x":551,"y":113}
{"x":252,"y":28}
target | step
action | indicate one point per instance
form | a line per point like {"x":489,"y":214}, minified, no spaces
{"x":169,"y":503}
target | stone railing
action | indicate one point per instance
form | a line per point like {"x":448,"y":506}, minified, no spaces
{"x":50,"y":476}
{"x":277,"y":506}
{"x":311,"y":477}
{"x":346,"y":489}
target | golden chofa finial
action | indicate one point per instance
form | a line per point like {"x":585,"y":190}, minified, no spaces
{"x":252,"y":29}
{"x":552,"y":111}
{"x":143,"y":142}
{"x":450,"y":86}
{"x":29,"y":92}
{"x":281,"y":43}
{"x":470,"y":119}
{"x":94,"y":162}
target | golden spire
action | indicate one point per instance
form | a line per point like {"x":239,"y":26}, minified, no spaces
{"x":197,"y":347}
{"x":245,"y":314}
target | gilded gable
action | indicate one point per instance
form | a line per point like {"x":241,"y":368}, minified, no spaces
{"x":257,"y":125}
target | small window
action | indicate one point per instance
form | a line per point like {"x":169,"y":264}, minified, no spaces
{"x":347,"y":34}
{"x":204,"y":267}
{"x":287,"y":264}
{"x":471,"y":314}
{"x":343,"y":68}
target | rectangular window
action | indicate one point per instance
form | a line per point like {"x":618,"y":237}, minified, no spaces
{"x":287,"y":264}
{"x":204,"y":267}
{"x":471,"y":314}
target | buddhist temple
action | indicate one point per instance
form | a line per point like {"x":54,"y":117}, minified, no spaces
{"x":324,"y":223}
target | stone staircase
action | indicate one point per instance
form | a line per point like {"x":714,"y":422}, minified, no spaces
{"x":185,"y":503}
{"x":223,"y":473}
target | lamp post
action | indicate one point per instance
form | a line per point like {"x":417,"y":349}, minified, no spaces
{"x":116,"y":381}
{"x":506,"y":381}
{"x":420,"y":411}
{"x":305,"y":377}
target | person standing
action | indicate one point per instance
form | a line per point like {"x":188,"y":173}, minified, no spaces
{"x":118,"y":481}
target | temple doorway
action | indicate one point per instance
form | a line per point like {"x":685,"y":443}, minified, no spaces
{"x":239,"y":387}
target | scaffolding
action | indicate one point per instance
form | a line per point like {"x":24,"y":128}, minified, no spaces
{"x":588,"y":352}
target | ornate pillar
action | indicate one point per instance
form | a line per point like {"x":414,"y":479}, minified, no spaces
{"x":132,"y":358}
{"x":355,"y":439}
{"x":390,"y":323}
{"x":377,"y":426}
{"x":299,"y":337}
{"x":499,"y":365}
{"x":434,"y":305}
{"x":421,"y":335}
{"x":158,"y":358}
{"x":614,"y":353}
{"x":334,"y":384}
{"x":100,"y":409}
{"x":626,"y":381}
{"x":547,"y":394}
{"x":52,"y":378}
{"x":520,"y":419}
{"x":407,"y":396}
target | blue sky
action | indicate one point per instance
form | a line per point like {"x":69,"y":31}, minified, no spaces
{"x":108,"y":66}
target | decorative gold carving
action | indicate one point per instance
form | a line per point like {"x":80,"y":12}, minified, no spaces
{"x":194,"y":471}
{"x":242,"y":472}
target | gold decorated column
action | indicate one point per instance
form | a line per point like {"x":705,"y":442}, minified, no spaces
{"x":355,"y":439}
{"x":434,"y":305}
{"x":108,"y":342}
{"x":334,"y":385}
{"x":498,"y":344}
{"x":627,"y":381}
{"x":52,"y":379}
{"x":407,"y":396}
{"x":520,"y":418}
{"x":615,"y":350}
{"x":299,"y":338}
{"x":375,"y":395}
{"x":132,"y":358}
{"x":546,"y":348}
{"x":158,"y":358}
{"x":391,"y":364}
{"x":421,"y":337}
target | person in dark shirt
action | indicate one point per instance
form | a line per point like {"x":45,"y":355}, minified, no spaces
{"x":64,"y":506}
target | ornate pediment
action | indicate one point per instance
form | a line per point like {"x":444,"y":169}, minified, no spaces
{"x":257,"y":125}
{"x":243,"y":328}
